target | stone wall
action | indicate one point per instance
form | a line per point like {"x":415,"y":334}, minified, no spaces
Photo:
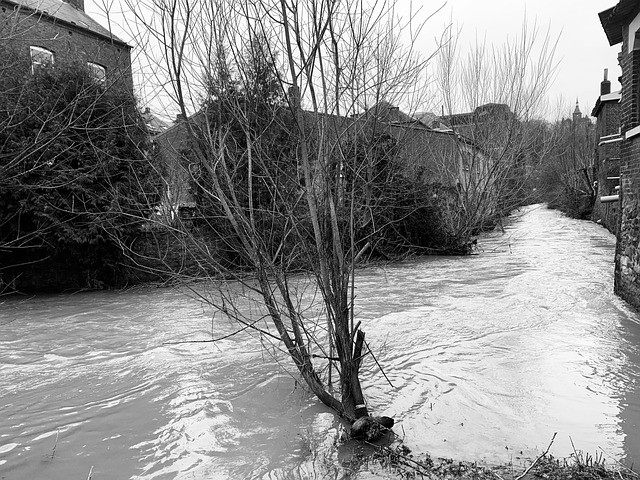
{"x":170,"y":256}
{"x":627,"y":260}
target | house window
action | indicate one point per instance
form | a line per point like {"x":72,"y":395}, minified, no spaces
{"x":98,"y":72}
{"x":40,"y":57}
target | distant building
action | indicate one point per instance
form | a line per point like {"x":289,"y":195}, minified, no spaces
{"x":59,"y":32}
{"x":489,"y":125}
{"x":621,"y":24}
{"x":607,"y":155}
{"x":436,"y":156}
{"x":434,"y":153}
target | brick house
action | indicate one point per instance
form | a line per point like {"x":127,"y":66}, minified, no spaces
{"x":621,"y":24}
{"x":56,"y":31}
{"x":607,"y":155}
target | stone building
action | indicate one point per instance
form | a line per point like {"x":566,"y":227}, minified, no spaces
{"x":56,"y":31}
{"x":607,"y":155}
{"x":621,"y":24}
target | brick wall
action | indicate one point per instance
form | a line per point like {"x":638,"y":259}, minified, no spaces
{"x":607,"y":161}
{"x":68,"y":43}
{"x":627,"y":259}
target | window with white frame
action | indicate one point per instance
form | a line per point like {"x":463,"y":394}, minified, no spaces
{"x":40,"y":57}
{"x":98,"y":72}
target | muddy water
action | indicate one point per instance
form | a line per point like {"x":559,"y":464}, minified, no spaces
{"x":487,"y":355}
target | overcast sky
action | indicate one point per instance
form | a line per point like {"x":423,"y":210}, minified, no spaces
{"x":583,"y":50}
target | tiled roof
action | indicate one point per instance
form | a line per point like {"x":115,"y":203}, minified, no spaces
{"x":66,"y":12}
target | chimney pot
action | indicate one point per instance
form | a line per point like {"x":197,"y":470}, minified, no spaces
{"x":605,"y":85}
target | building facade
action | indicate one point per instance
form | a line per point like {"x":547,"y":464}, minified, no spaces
{"x":621,"y":24}
{"x":607,"y":156}
{"x":60,"y":32}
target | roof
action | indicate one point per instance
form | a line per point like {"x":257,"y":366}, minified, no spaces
{"x":615,"y":18}
{"x":602,"y":99}
{"x":611,"y":97}
{"x":577,"y":111}
{"x":155,"y":125}
{"x":385,"y":112}
{"x":487,"y":110}
{"x":67,"y":13}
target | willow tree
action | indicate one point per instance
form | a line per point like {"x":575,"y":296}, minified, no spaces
{"x":270,"y":92}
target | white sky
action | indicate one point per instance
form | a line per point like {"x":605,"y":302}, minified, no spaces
{"x":583,"y":51}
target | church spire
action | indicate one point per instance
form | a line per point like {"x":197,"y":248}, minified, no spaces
{"x":577,"y":114}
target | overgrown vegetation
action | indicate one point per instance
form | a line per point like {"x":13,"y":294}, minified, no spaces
{"x":493,"y":98}
{"x":399,"y":461}
{"x":74,"y":178}
{"x":565,"y":178}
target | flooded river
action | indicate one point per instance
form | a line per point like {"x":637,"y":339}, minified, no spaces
{"x":488,"y":355}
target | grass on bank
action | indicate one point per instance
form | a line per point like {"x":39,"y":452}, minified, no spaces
{"x":399,"y":461}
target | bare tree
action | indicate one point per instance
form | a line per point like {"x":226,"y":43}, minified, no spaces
{"x":278,"y":88}
{"x":493,"y":101}
{"x":567,"y":172}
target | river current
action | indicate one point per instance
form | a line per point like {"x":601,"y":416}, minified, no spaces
{"x":487,"y":355}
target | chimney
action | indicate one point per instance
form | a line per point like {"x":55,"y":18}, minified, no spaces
{"x":78,"y":4}
{"x":394,"y":114}
{"x":605,"y":85}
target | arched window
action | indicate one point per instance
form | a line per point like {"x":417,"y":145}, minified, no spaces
{"x":40,"y":57}
{"x":98,"y":72}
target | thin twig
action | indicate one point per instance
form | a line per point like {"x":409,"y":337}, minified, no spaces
{"x":420,"y":468}
{"x":378,"y":364}
{"x":333,"y":359}
{"x":625,"y":467}
{"x":574,"y":450}
{"x":538,"y":459}
{"x":53,"y":452}
{"x":90,"y":472}
{"x":213,"y":340}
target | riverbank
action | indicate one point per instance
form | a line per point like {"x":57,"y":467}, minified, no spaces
{"x":398,"y":461}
